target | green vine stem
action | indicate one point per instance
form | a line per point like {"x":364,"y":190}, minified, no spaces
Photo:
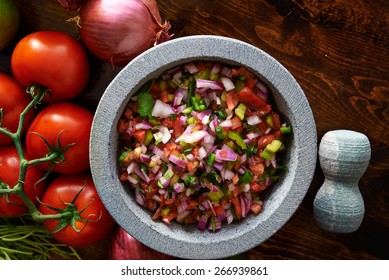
{"x":37,"y":92}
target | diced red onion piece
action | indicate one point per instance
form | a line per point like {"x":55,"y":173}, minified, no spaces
{"x":227,"y":83}
{"x":226,"y":71}
{"x":228,"y":174}
{"x":191,"y":68}
{"x":225,"y":154}
{"x":201,"y":83}
{"x":216,"y":68}
{"x":165,"y":134}
{"x":132,"y":180}
{"x":178,"y":187}
{"x":178,"y":96}
{"x":177,"y":161}
{"x":139,"y":197}
{"x":253,"y":120}
{"x":226,"y":123}
{"x":131,"y":167}
{"x":203,"y":222}
{"x":193,"y":137}
{"x":143,"y":126}
{"x":162,"y":110}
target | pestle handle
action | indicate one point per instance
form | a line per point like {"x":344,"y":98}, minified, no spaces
{"x":344,"y":156}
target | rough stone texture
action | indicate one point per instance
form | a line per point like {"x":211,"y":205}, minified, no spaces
{"x":186,"y":241}
{"x":344,"y":156}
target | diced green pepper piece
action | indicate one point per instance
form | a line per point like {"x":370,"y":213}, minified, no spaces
{"x":239,"y":85}
{"x":187,"y":110}
{"x":286,"y":129}
{"x":191,"y":120}
{"x":220,"y":133}
{"x":238,"y":140}
{"x":165,"y":211}
{"x":216,"y":196}
{"x":246,"y":178}
{"x":270,"y":149}
{"x":269,"y":121}
{"x":122,"y":157}
{"x":195,"y":103}
{"x":274,"y":146}
{"x":211,"y":159}
{"x":191,"y":89}
{"x":190,"y":179}
{"x":266,"y":154}
{"x":240,"y":111}
{"x":154,"y":121}
{"x":149,"y":137}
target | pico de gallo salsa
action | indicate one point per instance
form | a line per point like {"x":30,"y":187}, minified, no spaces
{"x":201,"y":143}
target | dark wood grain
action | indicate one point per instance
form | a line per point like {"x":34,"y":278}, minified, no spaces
{"x":338,"y":52}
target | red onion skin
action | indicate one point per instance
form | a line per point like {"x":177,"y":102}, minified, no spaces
{"x":124,"y":247}
{"x":71,"y":5}
{"x":117,"y":31}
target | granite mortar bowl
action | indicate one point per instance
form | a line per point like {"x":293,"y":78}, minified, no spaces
{"x":186,"y":241}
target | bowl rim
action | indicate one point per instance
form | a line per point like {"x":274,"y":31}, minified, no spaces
{"x":187,"y":242}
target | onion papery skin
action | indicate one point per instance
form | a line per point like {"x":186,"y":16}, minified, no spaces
{"x":117,"y":31}
{"x":124,"y":247}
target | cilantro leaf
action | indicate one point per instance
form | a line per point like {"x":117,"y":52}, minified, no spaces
{"x":145,"y":104}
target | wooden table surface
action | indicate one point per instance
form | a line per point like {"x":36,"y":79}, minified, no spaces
{"x":338,"y":52}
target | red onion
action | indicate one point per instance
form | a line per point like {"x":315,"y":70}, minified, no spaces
{"x":118,"y":30}
{"x":124,"y":247}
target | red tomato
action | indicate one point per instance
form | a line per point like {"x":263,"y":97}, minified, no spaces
{"x":70,"y":123}
{"x":9,"y":174}
{"x":13,"y":100}
{"x":94,"y":222}
{"x":52,"y":59}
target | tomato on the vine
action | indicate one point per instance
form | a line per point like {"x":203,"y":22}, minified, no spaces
{"x":34,"y":186}
{"x":13,"y":100}
{"x":94,"y":222}
{"x":64,"y":123}
{"x":54,"y":60}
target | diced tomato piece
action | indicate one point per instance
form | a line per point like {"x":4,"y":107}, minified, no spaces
{"x":231,"y":100}
{"x":236,"y":122}
{"x":257,"y":168}
{"x":243,"y":71}
{"x":235,"y":72}
{"x":237,"y":207}
{"x":219,"y":210}
{"x":276,"y":120}
{"x":265,"y":139}
{"x":128,"y":114}
{"x":139,"y":135}
{"x":122,"y":126}
{"x":250,"y":83}
{"x":123,"y":177}
{"x":151,"y":205}
{"x":248,"y":97}
{"x":157,"y":213}
{"x":164,"y":96}
{"x":170,"y":217}
{"x":191,"y":165}
{"x":256,"y":208}
{"x":257,"y":187}
{"x":278,"y":135}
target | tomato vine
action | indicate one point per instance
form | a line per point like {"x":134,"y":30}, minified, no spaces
{"x":55,"y":156}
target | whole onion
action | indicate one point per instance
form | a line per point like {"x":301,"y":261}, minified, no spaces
{"x":124,"y":247}
{"x":116,"y":31}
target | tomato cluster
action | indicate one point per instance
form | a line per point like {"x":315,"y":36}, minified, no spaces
{"x":56,"y":127}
